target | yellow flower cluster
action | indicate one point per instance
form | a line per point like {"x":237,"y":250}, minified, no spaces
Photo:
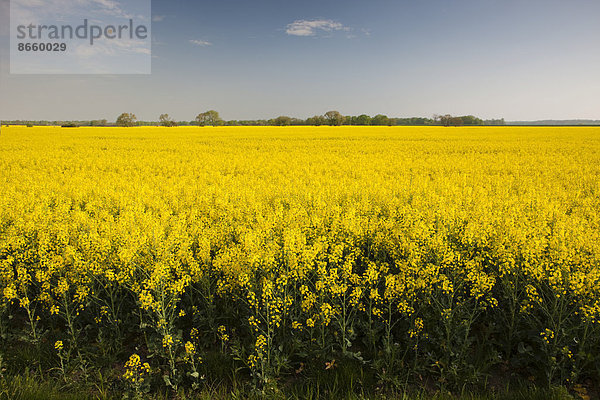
{"x":135,"y":370}
{"x":190,"y":349}
{"x":547,"y":335}
{"x":315,"y":232}
{"x":167,"y":341}
{"x":261,"y":343}
{"x":223,"y":333}
{"x":416,"y":330}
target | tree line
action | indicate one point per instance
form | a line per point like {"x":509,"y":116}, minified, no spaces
{"x":331,"y":118}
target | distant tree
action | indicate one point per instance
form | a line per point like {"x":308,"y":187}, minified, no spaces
{"x":449,"y":120}
{"x":471,"y":120}
{"x":165,"y":120}
{"x":282,"y":120}
{"x":444,"y":120}
{"x":126,"y":120}
{"x":362,"y":119}
{"x":209,"y":118}
{"x":317,"y":120}
{"x":422,"y":121}
{"x":494,"y":122}
{"x":456,"y":121}
{"x":334,"y":118}
{"x":380,"y":119}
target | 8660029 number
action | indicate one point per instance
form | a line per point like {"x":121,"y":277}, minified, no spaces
{"x":42,"y":47}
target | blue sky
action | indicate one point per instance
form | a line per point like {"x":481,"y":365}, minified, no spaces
{"x":527,"y":59}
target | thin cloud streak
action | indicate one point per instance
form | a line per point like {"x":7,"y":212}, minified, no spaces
{"x":201,"y":43}
{"x":304,"y":27}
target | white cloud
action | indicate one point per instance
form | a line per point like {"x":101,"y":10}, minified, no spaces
{"x":158,"y":18}
{"x":108,"y":7}
{"x":113,"y":8}
{"x":202,"y":43}
{"x":108,"y":4}
{"x":305,"y":27}
{"x":36,"y":11}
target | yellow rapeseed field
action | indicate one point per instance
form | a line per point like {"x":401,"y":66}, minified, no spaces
{"x":411,"y":251}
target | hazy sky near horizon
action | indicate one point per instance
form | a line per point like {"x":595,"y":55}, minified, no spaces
{"x":516,"y":59}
